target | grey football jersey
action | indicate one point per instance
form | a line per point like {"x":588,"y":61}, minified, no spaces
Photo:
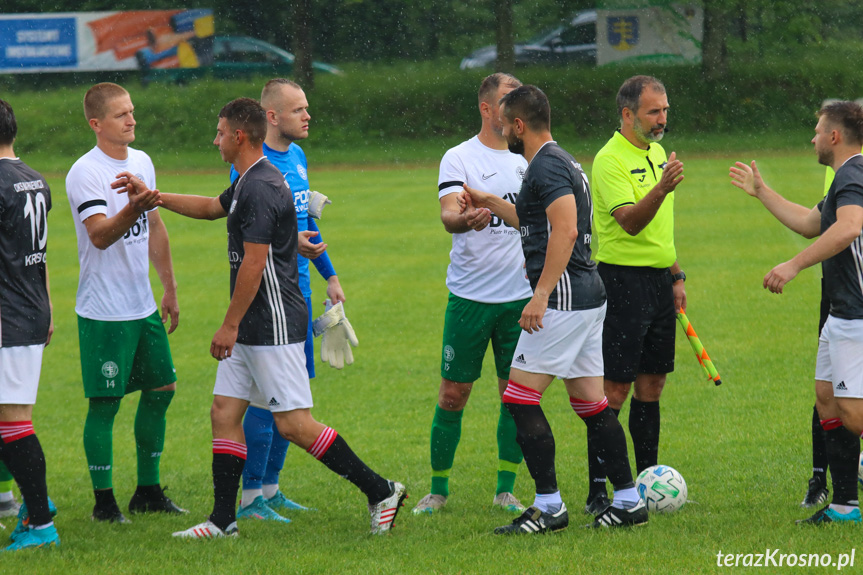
{"x":24,"y":203}
{"x":552,"y":174}
{"x":843,"y":273}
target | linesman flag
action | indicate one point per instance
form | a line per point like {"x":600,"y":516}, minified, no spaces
{"x":698,"y":348}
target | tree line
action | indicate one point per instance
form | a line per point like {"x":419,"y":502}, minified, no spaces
{"x":391,"y":30}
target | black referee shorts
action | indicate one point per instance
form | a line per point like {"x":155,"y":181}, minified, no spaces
{"x":640,"y":323}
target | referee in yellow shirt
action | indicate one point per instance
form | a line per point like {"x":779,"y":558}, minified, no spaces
{"x":633,"y":187}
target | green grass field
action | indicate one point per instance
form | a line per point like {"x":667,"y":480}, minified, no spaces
{"x":742,"y":447}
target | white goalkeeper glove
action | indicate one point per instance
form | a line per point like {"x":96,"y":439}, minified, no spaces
{"x":338,"y":336}
{"x":317,"y":201}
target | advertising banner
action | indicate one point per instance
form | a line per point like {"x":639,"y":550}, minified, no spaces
{"x":91,"y":41}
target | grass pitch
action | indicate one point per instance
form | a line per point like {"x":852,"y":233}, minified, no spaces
{"x":742,"y":447}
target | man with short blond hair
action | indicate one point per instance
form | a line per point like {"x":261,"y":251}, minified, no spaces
{"x":124,"y":347}
{"x":487,"y":289}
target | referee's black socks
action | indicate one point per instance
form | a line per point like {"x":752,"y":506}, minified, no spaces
{"x":644,"y":431}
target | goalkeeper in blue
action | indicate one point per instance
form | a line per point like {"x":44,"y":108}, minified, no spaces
{"x":287,"y":122}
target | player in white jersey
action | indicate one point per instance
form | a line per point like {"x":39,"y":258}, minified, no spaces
{"x":124,"y":346}
{"x":488,"y":290}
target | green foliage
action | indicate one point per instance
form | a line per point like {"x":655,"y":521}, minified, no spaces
{"x":405,"y":112}
{"x":743,"y":448}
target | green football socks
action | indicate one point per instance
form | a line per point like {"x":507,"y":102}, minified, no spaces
{"x":99,"y":438}
{"x":150,"y":434}
{"x":508,"y":450}
{"x":445,"y":435}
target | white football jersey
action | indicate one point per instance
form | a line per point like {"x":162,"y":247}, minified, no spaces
{"x":485,"y":266}
{"x":114,"y":284}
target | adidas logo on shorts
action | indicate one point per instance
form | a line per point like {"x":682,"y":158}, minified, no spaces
{"x":841,"y":386}
{"x":520,"y":358}
{"x":273,"y":402}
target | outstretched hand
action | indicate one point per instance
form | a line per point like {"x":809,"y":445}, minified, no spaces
{"x":747,"y":178}
{"x":141,"y":198}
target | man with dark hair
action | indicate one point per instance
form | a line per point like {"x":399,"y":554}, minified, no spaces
{"x":562,"y":322}
{"x":488,"y":290}
{"x":261,"y":340}
{"x":838,"y":220}
{"x":124,"y":347}
{"x":26,"y":325}
{"x":287,"y":123}
{"x":633,"y":192}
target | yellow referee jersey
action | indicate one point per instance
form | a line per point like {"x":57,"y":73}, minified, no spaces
{"x":623,"y":174}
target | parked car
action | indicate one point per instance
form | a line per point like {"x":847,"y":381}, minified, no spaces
{"x":569,"y":43}
{"x":237,"y":56}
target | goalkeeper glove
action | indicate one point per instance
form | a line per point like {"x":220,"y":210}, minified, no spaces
{"x":337,"y":335}
{"x":317,"y":201}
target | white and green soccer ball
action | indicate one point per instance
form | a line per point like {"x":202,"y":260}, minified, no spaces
{"x":661,"y":488}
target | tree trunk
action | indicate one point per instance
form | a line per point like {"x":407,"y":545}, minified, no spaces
{"x":714,"y":61}
{"x":505,"y":44}
{"x":302,"y":44}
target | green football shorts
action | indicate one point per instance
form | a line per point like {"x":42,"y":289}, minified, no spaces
{"x":119,"y":357}
{"x":468,"y":327}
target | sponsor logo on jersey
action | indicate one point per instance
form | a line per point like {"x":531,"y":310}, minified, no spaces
{"x":519,"y":171}
{"x":525,"y":231}
{"x":29,"y":186}
{"x":448,"y":353}
{"x":575,"y":165}
{"x":302,"y":172}
{"x":138,"y":230}
{"x":301,"y":201}
{"x":495,"y":221}
{"x":110,"y":369}
{"x":484,"y":177}
{"x":36,"y":258}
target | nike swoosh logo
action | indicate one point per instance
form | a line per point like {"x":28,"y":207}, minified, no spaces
{"x":484,"y":177}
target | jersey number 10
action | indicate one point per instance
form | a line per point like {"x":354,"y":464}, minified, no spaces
{"x":36,"y":212}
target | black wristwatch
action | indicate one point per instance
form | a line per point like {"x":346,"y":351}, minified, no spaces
{"x":678,"y":276}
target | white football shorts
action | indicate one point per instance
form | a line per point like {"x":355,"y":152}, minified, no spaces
{"x":271,"y":377}
{"x":568,"y":346}
{"x":20,"y":367}
{"x":840,"y":356}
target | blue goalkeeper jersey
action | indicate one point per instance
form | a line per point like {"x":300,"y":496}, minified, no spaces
{"x":293,"y":166}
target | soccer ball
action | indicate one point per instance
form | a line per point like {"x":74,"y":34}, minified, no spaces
{"x":661,"y":488}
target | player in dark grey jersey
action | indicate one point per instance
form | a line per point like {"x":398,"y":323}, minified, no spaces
{"x":25,"y":329}
{"x":838,"y":220}
{"x":562,"y":323}
{"x":260,"y":345}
